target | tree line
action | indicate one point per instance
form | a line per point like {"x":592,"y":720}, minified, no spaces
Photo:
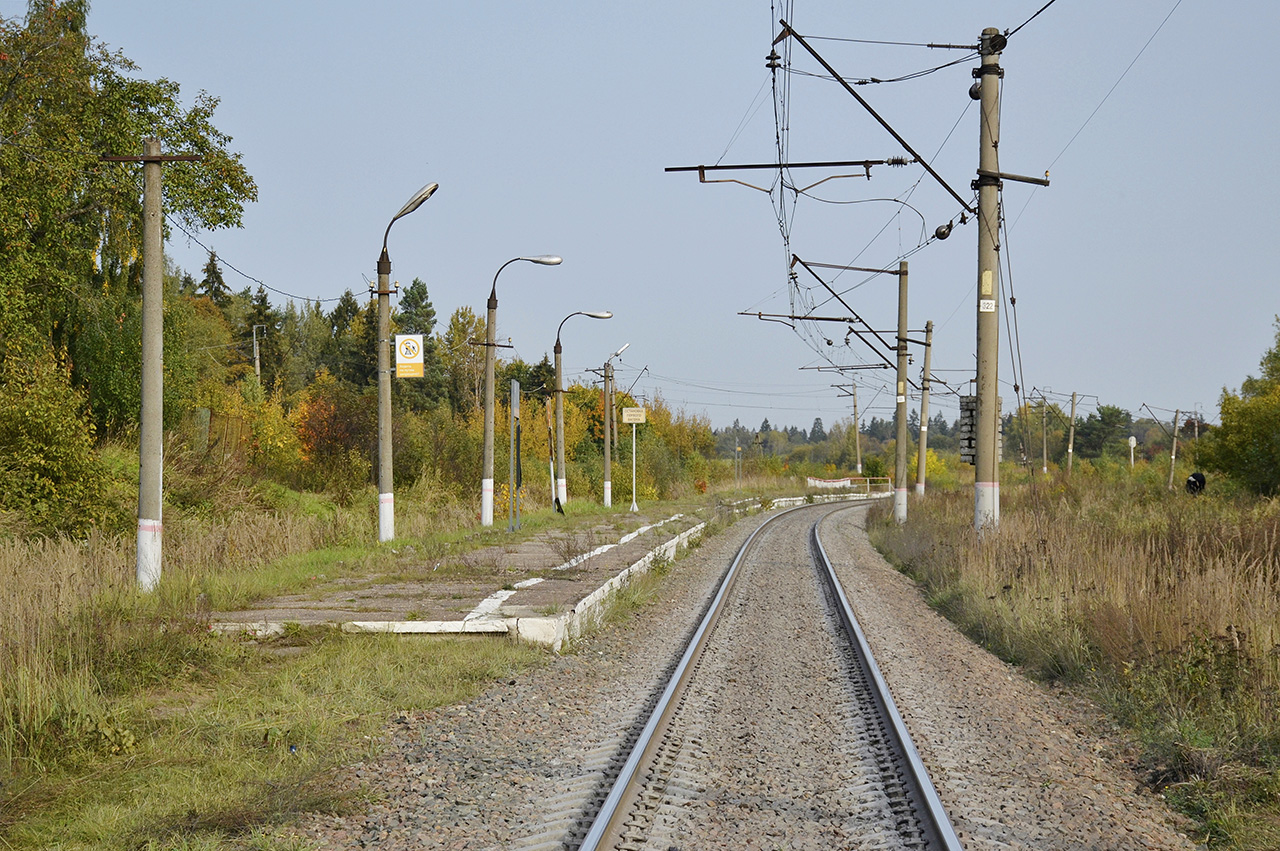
{"x":70,"y":318}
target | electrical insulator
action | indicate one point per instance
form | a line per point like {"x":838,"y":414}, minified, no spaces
{"x":771,"y":61}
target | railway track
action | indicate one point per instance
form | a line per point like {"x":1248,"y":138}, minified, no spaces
{"x":774,"y":728}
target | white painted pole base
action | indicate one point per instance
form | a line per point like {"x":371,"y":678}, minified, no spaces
{"x":919,"y":489}
{"x":900,"y":505}
{"x":148,"y":554}
{"x":562,"y":492}
{"x":608,"y":494}
{"x":986,"y":505}
{"x":486,"y":502}
{"x":386,"y":517}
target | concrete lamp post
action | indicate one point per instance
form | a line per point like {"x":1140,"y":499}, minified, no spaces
{"x":562,"y":494}
{"x":490,"y":333}
{"x":386,"y":497}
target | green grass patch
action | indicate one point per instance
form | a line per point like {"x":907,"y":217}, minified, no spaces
{"x":247,"y":741}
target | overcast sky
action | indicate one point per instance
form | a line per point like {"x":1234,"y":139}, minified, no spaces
{"x":1142,"y":275}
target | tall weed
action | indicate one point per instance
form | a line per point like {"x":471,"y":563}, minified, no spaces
{"x":1167,"y":605}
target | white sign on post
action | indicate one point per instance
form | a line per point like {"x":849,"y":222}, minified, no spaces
{"x":633,"y":416}
{"x":409,"y":358}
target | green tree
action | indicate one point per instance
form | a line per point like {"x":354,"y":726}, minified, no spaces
{"x":537,"y":381}
{"x":417,"y":316}
{"x":1105,"y":432}
{"x":212,"y":285}
{"x":356,"y":361}
{"x":307,"y":339}
{"x":269,"y":321}
{"x":1246,"y":443}
{"x":71,"y":224}
{"x":463,"y":361}
{"x":343,"y":314}
{"x":816,"y":434}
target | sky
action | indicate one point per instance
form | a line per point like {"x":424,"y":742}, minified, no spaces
{"x":1141,"y":276}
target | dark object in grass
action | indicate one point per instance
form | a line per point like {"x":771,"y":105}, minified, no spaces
{"x":1195,"y":483}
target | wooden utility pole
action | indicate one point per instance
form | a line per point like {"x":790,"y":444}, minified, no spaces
{"x":1173,"y":453}
{"x":900,"y":463}
{"x":924,"y":410}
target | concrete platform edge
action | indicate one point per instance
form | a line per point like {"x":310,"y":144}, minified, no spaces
{"x":550,"y":631}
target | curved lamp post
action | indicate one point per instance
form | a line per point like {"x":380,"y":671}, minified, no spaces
{"x":608,"y":424}
{"x":490,"y":332}
{"x":386,"y":497}
{"x":562,"y":494}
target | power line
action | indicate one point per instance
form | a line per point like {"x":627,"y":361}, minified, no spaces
{"x":892,"y":43}
{"x":1105,"y":97}
{"x":246,"y":275}
{"x":1014,"y":31}
{"x":871,"y":81}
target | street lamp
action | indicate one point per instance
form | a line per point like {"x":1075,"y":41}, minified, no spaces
{"x":491,"y":325}
{"x":386,"y":498}
{"x":562,"y":494}
{"x":608,"y":424}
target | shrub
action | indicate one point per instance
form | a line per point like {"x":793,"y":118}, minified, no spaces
{"x":336,"y":425}
{"x":53,"y":477}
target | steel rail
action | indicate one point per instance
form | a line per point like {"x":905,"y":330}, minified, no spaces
{"x":936,"y":826}
{"x":603,"y":826}
{"x":924,"y":797}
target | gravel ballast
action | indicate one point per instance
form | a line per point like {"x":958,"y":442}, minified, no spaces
{"x":1017,"y":764}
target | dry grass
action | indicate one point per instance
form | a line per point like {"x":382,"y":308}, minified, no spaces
{"x":61,"y":599}
{"x":82,"y":654}
{"x":1168,"y":606}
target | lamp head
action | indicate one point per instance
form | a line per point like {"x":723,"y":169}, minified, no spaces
{"x":416,"y":201}
{"x":545,"y":260}
{"x":619,"y":351}
{"x":598,"y":314}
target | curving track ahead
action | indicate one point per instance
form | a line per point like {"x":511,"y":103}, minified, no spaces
{"x":775,"y":727}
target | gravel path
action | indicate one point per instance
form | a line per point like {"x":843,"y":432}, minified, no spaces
{"x":1018,"y":765}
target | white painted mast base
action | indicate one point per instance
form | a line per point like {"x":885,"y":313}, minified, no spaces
{"x":608,"y":494}
{"x":562,"y":491}
{"x":148,"y":554}
{"x":486,"y":502}
{"x":386,"y":517}
{"x":986,"y":505}
{"x":900,"y":505}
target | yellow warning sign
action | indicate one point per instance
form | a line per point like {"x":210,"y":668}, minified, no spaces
{"x":409,"y":356}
